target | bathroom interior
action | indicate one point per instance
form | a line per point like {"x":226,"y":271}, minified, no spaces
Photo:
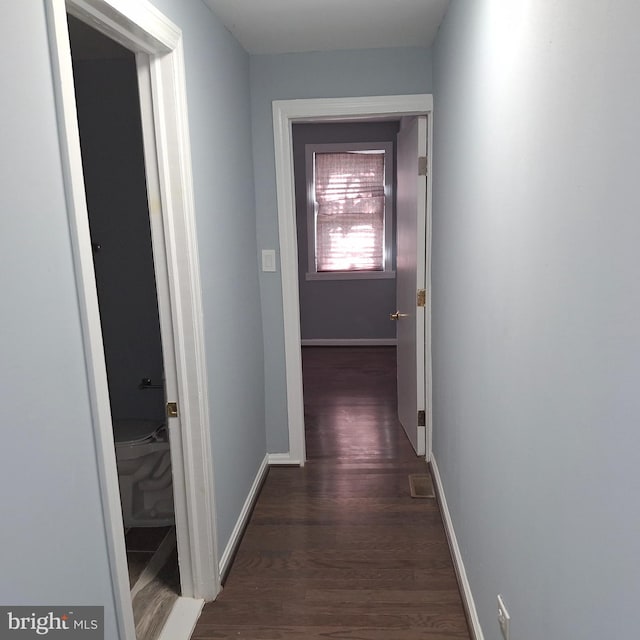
{"x":108,"y":108}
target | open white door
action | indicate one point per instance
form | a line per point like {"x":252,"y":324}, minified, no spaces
{"x":411,"y":245}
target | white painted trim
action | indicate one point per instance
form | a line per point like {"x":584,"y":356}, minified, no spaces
{"x":421,"y":440}
{"x":176,"y":187}
{"x":366,"y":108}
{"x":350,"y":275}
{"x":423,"y":257}
{"x":182,"y":619}
{"x":89,"y":313}
{"x":463,"y":581}
{"x":428,"y":367}
{"x":243,"y":518}
{"x":289,"y":277}
{"x":157,"y":34}
{"x":283,"y":459}
{"x":154,"y":198}
{"x":140,"y":27}
{"x":285,"y":112}
{"x":349,"y":342}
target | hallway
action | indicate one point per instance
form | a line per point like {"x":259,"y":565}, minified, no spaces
{"x":339,"y":548}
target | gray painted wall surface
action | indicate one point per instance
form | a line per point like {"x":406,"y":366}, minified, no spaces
{"x":114,"y":174}
{"x":217,"y":73}
{"x":55,"y":550}
{"x":536,"y":313}
{"x":52,"y":538}
{"x":340,"y":308}
{"x":308,"y":75}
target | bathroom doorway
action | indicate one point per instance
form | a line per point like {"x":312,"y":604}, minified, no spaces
{"x":158,"y":47}
{"x":111,"y":139}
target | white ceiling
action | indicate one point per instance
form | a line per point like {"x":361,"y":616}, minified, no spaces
{"x":283,"y":26}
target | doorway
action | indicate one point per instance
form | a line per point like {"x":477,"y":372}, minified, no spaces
{"x":286,"y":113}
{"x":108,"y":106}
{"x":345,"y":183}
{"x":157,"y":44}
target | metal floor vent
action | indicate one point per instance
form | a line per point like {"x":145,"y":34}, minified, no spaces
{"x":421,"y":485}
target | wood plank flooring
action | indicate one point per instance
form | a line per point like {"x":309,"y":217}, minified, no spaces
{"x":154,"y":577}
{"x":339,"y":549}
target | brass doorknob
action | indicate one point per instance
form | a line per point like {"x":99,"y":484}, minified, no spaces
{"x":397,"y":315}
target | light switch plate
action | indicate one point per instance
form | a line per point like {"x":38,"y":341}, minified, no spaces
{"x":268,"y":260}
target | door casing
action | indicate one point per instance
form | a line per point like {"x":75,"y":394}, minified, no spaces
{"x":285,"y":113}
{"x":140,"y":27}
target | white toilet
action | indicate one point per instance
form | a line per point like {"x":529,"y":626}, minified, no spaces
{"x":143,"y":458}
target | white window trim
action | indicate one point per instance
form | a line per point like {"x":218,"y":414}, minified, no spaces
{"x":342,"y":147}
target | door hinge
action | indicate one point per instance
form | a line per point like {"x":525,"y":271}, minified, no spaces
{"x":422,"y":165}
{"x":422,"y":297}
{"x":422,"y":419}
{"x":172,"y":409}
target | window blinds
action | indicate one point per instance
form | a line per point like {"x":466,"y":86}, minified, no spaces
{"x":349,"y":204}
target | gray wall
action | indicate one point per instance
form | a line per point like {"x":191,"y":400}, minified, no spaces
{"x":54,"y":540}
{"x":217,"y":73}
{"x":536,"y":313}
{"x":340,"y":308}
{"x":114,"y":174}
{"x":308,"y":75}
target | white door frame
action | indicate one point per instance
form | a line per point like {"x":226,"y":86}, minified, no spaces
{"x":286,"y":112}
{"x":140,"y":27}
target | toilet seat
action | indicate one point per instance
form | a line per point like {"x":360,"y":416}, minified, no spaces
{"x":135,"y":431}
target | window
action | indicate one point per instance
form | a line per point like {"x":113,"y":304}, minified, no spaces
{"x":349,"y":210}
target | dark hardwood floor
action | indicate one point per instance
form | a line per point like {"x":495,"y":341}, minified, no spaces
{"x":339,"y":549}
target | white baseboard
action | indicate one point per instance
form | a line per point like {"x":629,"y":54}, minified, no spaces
{"x":422,"y":441}
{"x":276,"y":459}
{"x":182,"y":619}
{"x":465,"y":587}
{"x":349,"y":342}
{"x":236,"y":534}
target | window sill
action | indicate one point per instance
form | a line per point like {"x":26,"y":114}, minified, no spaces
{"x":351,"y":275}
